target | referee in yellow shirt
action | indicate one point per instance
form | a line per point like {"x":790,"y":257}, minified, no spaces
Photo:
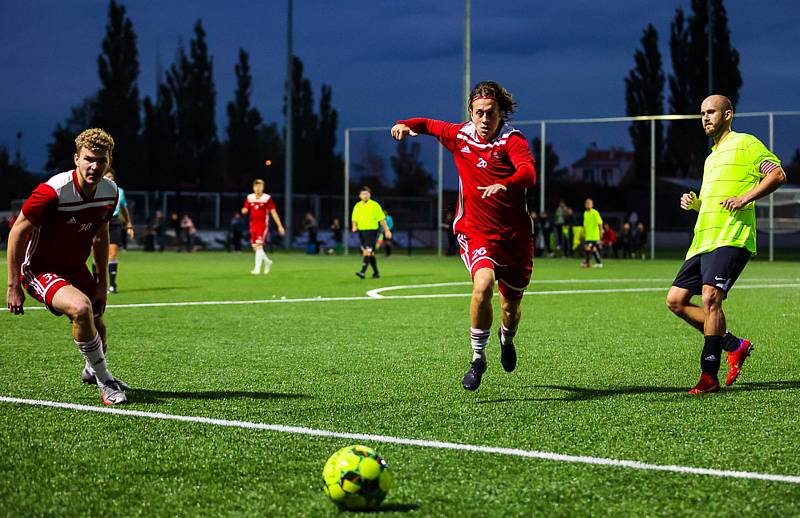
{"x":367,"y":215}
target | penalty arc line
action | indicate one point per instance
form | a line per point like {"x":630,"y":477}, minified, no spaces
{"x":377,"y":296}
{"x":513,"y":452}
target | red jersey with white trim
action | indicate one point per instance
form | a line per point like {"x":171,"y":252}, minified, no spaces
{"x":506,"y":160}
{"x":67,"y":221}
{"x":258,"y":208}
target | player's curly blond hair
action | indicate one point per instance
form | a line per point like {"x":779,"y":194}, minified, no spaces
{"x":94,"y":139}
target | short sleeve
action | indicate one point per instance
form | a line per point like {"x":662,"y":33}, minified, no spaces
{"x":757,"y":154}
{"x":42,"y":202}
{"x":270,"y":204}
{"x":123,"y":202}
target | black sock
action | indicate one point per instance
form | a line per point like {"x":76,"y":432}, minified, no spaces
{"x":709,"y":360}
{"x":597,"y":257}
{"x":374,"y":263}
{"x":112,"y":273}
{"x":729,"y":342}
{"x":364,"y":264}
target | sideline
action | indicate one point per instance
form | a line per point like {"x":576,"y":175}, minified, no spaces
{"x":542,"y":455}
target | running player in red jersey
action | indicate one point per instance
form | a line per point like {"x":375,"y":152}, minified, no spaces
{"x":494,"y":230}
{"x":260,"y":206}
{"x":60,"y":223}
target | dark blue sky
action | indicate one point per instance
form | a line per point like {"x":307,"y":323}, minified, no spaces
{"x":384,"y":59}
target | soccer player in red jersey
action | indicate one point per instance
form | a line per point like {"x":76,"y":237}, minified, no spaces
{"x":260,"y":206}
{"x":62,"y":221}
{"x":494,"y":230}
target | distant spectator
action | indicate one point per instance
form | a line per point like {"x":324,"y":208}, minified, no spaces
{"x":175,"y":226}
{"x":338,"y":242}
{"x":382,"y":240}
{"x":609,"y":241}
{"x":236,"y":231}
{"x":538,"y":239}
{"x":625,"y":241}
{"x":558,"y":221}
{"x":159,"y":227}
{"x":447,"y":225}
{"x":547,"y":231}
{"x":189,"y":232}
{"x":310,"y":226}
{"x":568,"y":233}
{"x":640,"y":241}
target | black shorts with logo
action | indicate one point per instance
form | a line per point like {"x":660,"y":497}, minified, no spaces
{"x":719,"y":268}
{"x":115,"y":232}
{"x":368,"y":239}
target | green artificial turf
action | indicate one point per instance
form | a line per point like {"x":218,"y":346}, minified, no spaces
{"x":600,"y":374}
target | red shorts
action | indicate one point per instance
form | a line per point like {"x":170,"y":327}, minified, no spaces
{"x":44,"y":286}
{"x":512,"y":261}
{"x":258,"y":234}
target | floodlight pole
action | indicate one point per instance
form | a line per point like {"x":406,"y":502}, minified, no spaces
{"x":346,"y":204}
{"x":710,"y":25}
{"x":287,"y":242}
{"x":542,"y":163}
{"x":467,"y":52}
{"x":771,"y":196}
{"x":652,"y":189}
{"x":439,"y":200}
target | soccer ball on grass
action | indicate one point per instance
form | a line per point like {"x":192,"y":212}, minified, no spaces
{"x":356,"y":477}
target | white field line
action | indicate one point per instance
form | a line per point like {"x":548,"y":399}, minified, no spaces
{"x":514,"y":452}
{"x":377,"y":296}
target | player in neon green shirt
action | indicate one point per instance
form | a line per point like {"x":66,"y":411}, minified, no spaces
{"x":367,"y":215}
{"x":739,"y":171}
{"x":593,"y":229}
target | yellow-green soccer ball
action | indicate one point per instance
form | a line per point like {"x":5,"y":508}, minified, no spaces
{"x":356,"y":477}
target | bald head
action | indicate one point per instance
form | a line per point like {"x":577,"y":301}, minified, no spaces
{"x":720,"y":102}
{"x":716,"y":114}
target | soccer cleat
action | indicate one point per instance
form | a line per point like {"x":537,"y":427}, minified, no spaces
{"x":736,"y":360}
{"x":584,"y":265}
{"x":360,"y":275}
{"x":472,"y":379}
{"x":88,"y":377}
{"x":508,"y":354}
{"x":267,"y":266}
{"x":376,"y":275}
{"x":598,"y":265}
{"x":706,"y":385}
{"x":112,"y":289}
{"x":112,"y":393}
{"x":255,"y":272}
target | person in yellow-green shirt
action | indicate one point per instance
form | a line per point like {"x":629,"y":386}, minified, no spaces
{"x":592,"y":230}
{"x":367,"y":215}
{"x":739,"y":171}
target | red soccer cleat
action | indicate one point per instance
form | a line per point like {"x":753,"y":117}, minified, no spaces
{"x":706,"y":385}
{"x":736,"y":360}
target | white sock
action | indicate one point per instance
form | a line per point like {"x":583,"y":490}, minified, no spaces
{"x":259,"y":255}
{"x":266,"y":259}
{"x":478,"y":339}
{"x":507,"y":335}
{"x":92,"y":351}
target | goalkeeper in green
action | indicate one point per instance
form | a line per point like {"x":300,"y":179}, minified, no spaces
{"x":739,"y":171}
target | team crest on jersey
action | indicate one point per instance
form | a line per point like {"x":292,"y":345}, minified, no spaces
{"x":482,"y":163}
{"x":465,"y":149}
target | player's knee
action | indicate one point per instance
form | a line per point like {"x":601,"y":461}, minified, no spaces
{"x":675,"y":304}
{"x":712,"y":299}
{"x":482,"y":290}
{"x":80,"y":310}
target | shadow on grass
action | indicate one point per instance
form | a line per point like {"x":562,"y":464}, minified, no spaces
{"x":391,"y":508}
{"x":587,"y":394}
{"x":157,"y":396}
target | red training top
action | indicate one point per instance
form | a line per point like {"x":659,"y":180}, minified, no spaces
{"x":506,"y":160}
{"x":258,"y":208}
{"x":67,"y":221}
